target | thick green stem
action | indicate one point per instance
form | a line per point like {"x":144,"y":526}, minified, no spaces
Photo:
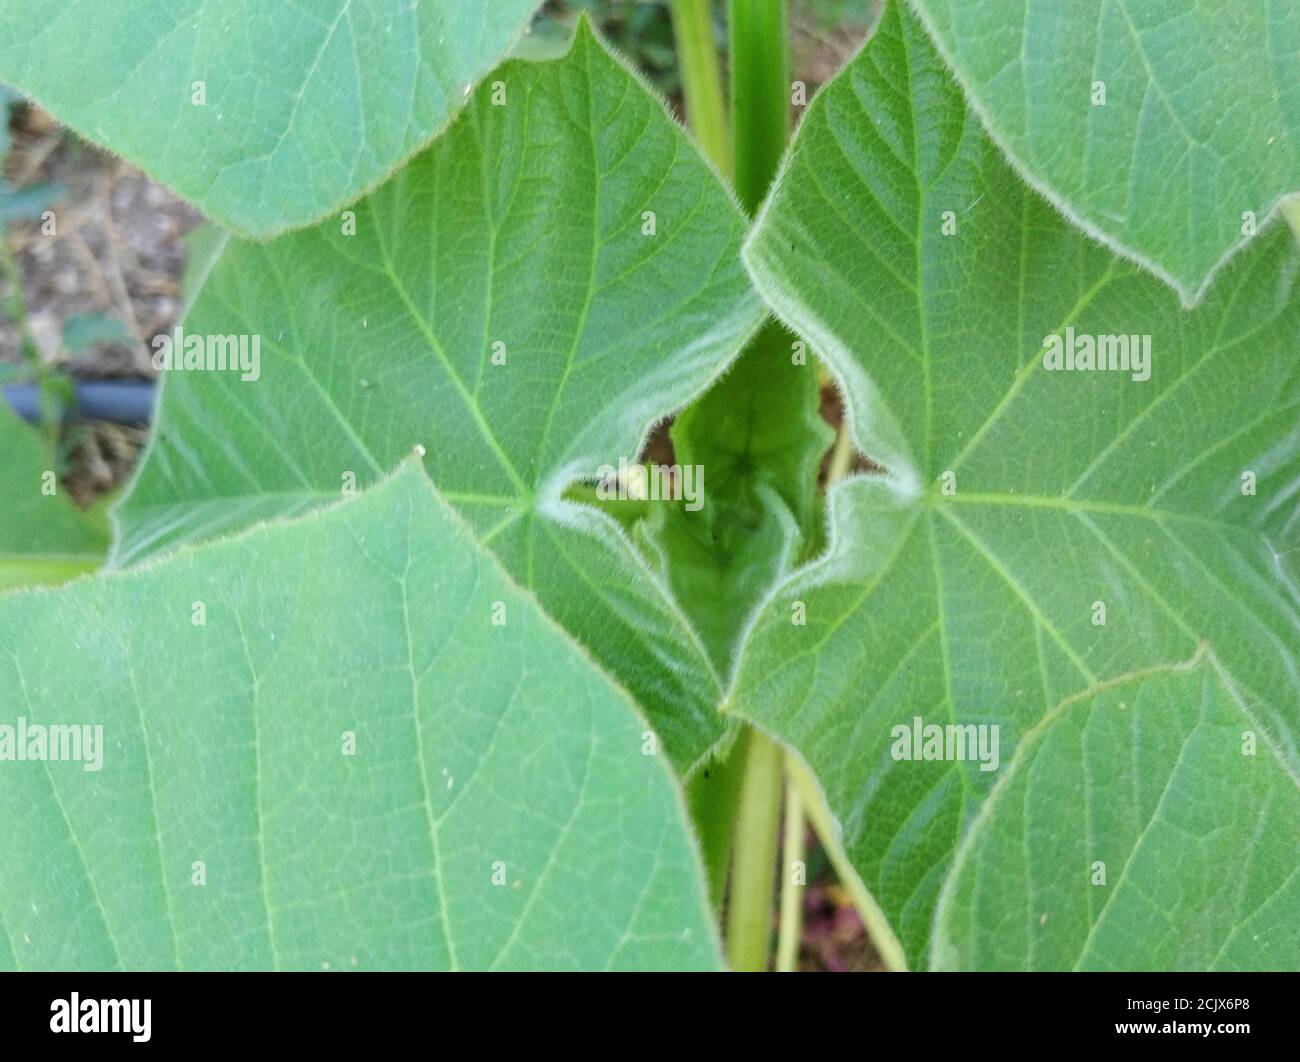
{"x":713,"y":796}
{"x":760,"y":90}
{"x":702,"y":80}
{"x":793,"y":877}
{"x":761,"y":126}
{"x":749,"y":908}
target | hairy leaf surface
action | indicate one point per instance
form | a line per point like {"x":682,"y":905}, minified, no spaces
{"x":1038,"y":532}
{"x":1105,"y":836}
{"x":1159,"y":126}
{"x":497,"y":809}
{"x":267,"y":116}
{"x":523,"y":300}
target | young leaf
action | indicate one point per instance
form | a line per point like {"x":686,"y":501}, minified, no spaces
{"x":83,"y":331}
{"x":759,"y":436}
{"x":266,"y":116}
{"x":1039,"y":531}
{"x":1105,"y":832}
{"x":1170,"y":131}
{"x":522,"y":300}
{"x":44,"y":538}
{"x":347,"y":742}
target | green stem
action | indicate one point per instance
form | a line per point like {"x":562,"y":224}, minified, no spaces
{"x":819,"y":815}
{"x":761,"y":125}
{"x":749,"y":910}
{"x":713,"y":795}
{"x":792,"y":880}
{"x":702,"y":80}
{"x":760,"y":88}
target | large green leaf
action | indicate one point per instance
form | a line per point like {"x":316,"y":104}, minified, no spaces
{"x":1104,"y":840}
{"x":522,"y":232}
{"x":498,"y":807}
{"x":303,"y":106}
{"x":1072,"y":488}
{"x":1200,"y":123}
{"x":44,"y":538}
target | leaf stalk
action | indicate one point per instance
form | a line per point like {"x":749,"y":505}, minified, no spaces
{"x":697,"y":55}
{"x":749,"y":907}
{"x":793,"y":878}
{"x":761,"y":124}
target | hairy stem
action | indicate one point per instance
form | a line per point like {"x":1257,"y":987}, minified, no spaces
{"x":702,"y":80}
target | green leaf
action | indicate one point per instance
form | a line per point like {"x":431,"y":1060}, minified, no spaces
{"x":759,"y":437}
{"x":85,"y":330}
{"x":1073,"y":489}
{"x":266,"y":116}
{"x":1106,"y":831}
{"x":519,"y":234}
{"x":44,"y":538}
{"x":482,"y":750}
{"x":203,"y":249}
{"x":1200,"y":123}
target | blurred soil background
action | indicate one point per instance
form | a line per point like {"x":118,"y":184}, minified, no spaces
{"x":84,"y":300}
